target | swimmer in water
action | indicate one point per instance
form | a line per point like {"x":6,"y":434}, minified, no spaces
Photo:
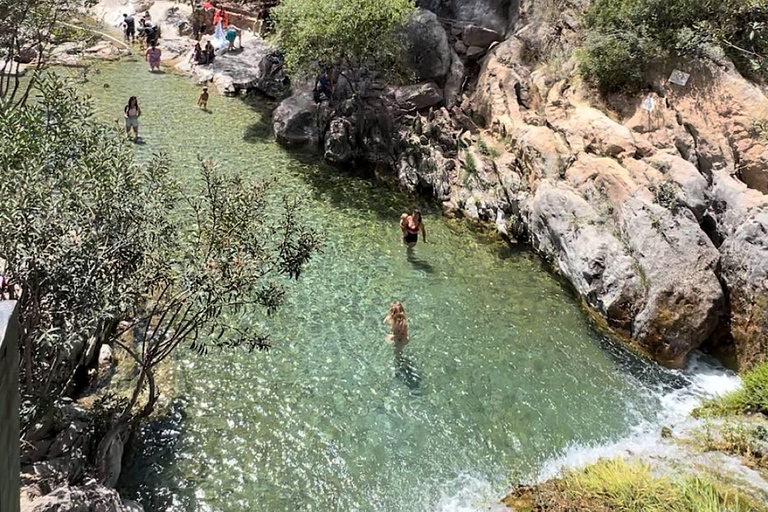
{"x":399,"y":324}
{"x":411,"y":225}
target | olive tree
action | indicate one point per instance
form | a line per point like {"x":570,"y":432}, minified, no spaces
{"x":99,"y":248}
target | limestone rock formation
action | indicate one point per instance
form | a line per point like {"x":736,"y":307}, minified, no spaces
{"x":430,"y":53}
{"x":497,"y":15}
{"x":657,"y":217}
{"x":90,"y":497}
{"x":419,"y":96}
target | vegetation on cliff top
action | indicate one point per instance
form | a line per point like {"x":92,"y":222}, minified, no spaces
{"x":361,"y":34}
{"x":620,"y":486}
{"x":626,"y":37}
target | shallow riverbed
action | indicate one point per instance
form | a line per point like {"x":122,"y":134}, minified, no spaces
{"x":505,"y":371}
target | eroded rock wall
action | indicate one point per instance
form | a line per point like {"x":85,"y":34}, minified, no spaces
{"x":657,"y":216}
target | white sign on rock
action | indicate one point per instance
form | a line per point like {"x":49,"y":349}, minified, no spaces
{"x":649,"y":104}
{"x":678,"y":77}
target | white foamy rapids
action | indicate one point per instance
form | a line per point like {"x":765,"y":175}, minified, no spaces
{"x":704,"y":379}
{"x":470,"y":494}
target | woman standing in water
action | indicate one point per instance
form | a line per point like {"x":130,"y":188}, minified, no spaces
{"x":153,"y":57}
{"x":411,"y":225}
{"x":399,"y":324}
{"x":131,"y":112}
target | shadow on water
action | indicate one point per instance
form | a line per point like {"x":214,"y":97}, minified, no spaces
{"x":406,"y":370}
{"x":419,"y":264}
{"x":358,"y":189}
{"x":261,"y":130}
{"x":146,"y":475}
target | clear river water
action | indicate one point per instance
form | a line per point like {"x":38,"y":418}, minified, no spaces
{"x":509,"y":372}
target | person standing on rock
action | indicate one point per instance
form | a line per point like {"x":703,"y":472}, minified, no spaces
{"x":411,"y":225}
{"x":231,"y":36}
{"x":153,"y":57}
{"x":222,"y":17}
{"x":129,"y":28}
{"x":198,"y":22}
{"x":132,"y":112}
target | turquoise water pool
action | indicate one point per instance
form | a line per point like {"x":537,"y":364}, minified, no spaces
{"x":504,"y":369}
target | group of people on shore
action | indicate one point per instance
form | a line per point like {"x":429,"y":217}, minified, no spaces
{"x":203,"y":54}
{"x":149,"y":33}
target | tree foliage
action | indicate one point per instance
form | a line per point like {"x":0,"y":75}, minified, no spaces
{"x":625,"y":37}
{"x":28,"y":28}
{"x":362,"y":34}
{"x":97,"y":246}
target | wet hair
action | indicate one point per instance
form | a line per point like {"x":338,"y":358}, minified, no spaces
{"x":134,"y":100}
{"x":397,"y":314}
{"x":416,"y":211}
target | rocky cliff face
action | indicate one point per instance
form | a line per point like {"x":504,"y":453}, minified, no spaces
{"x":656,"y":214}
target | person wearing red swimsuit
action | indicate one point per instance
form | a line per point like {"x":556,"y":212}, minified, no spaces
{"x":411,"y":225}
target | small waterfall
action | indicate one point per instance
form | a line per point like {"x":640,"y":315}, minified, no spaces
{"x":703,"y":379}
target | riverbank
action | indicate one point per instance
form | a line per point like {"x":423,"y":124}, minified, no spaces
{"x":714,"y":459}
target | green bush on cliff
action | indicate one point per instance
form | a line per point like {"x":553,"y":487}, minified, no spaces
{"x":625,"y":37}
{"x":350,"y":34}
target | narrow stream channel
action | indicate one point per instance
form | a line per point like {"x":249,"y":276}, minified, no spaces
{"x":510,"y":372}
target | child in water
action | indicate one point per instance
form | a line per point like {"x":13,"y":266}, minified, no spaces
{"x":202,"y":101}
{"x":399,"y":324}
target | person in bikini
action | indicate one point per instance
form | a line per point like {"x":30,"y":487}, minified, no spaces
{"x":399,"y":324}
{"x":411,"y":225}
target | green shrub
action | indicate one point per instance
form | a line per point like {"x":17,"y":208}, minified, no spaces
{"x":632,"y":487}
{"x":470,"y":165}
{"x":665,"y":195}
{"x":484,"y":149}
{"x":624,"y":37}
{"x":614,"y":62}
{"x":359,"y":34}
{"x":751,"y":397}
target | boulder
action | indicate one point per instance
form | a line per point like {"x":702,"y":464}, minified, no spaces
{"x":295,"y":121}
{"x":105,"y":355}
{"x":745,"y":274}
{"x":429,"y":49}
{"x":454,"y":81}
{"x":132,"y":506}
{"x":475,"y":52}
{"x":338,"y":147}
{"x":678,"y":264}
{"x":419,"y":96}
{"x":90,"y":497}
{"x":498,"y":15}
{"x":474,"y":35}
{"x":567,"y":229}
{"x":255,"y":66}
{"x":273,"y":81}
